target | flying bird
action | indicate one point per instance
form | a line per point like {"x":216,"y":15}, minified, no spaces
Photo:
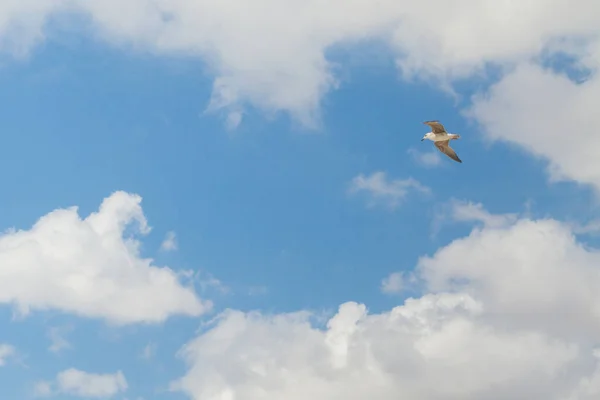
{"x":441,"y":139}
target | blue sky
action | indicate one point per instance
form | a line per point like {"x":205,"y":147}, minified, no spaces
{"x":265,"y":215}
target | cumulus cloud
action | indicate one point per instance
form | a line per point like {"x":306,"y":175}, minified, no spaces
{"x":430,"y":348}
{"x":87,"y":267}
{"x":510,"y":311}
{"x":383,"y":191}
{"x":260,"y":54}
{"x":549,"y":115}
{"x":533,"y":272}
{"x":79,"y":383}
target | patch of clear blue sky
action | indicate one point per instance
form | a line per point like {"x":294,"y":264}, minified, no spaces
{"x":264,"y":206}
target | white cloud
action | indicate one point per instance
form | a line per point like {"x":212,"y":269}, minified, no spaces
{"x":474,"y":212}
{"x":382,"y":190}
{"x":549,"y":116}
{"x":42,"y":389}
{"x":208,"y":282}
{"x":510,"y":311}
{"x":532,"y":272}
{"x":591,"y":227}
{"x":83,"y":384}
{"x":86,"y":267}
{"x":170,"y":242}
{"x":393,"y":284}
{"x":260,"y":53}
{"x":234,"y":119}
{"x":428,"y":159}
{"x":436,"y":347}
{"x":462,"y":211}
{"x":6,"y":351}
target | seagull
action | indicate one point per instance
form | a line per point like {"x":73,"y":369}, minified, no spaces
{"x":441,"y":139}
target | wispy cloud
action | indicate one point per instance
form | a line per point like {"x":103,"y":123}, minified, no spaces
{"x":170,"y":242}
{"x":57,"y":337}
{"x":149,"y":351}
{"x":398,"y":282}
{"x":591,"y":227}
{"x":234,"y":118}
{"x":205,"y":280}
{"x":462,"y":211}
{"x":428,"y":159}
{"x":393,"y":284}
{"x":210,"y":282}
{"x":85,"y":384}
{"x":474,"y":212}
{"x":42,"y":389}
{"x":385,"y":191}
{"x":81,"y":384}
{"x":257,"y":290}
{"x":6,"y":351}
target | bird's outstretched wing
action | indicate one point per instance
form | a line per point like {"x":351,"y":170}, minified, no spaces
{"x":444,"y":147}
{"x":436,"y":127}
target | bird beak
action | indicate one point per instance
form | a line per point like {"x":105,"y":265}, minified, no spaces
{"x":422,"y":139}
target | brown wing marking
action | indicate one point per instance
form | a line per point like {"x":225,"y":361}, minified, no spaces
{"x":436,"y":127}
{"x":444,"y":147}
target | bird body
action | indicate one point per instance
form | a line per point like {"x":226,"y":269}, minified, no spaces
{"x":441,"y":139}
